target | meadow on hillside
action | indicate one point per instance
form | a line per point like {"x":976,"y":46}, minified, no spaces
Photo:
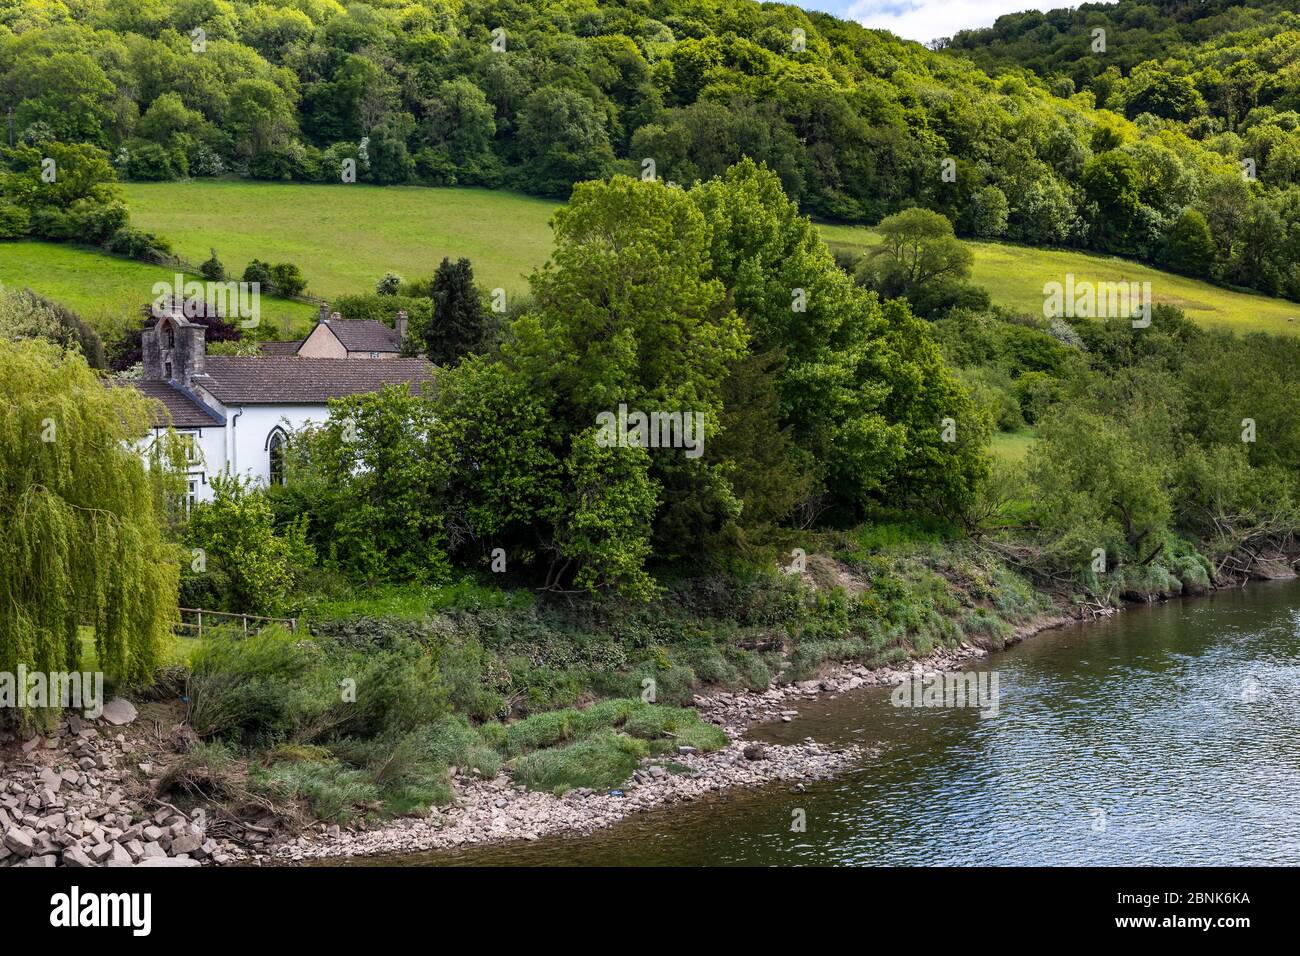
{"x":108,"y":291}
{"x":345,"y":237}
{"x":1014,"y":277}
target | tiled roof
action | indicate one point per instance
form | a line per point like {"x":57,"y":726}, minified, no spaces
{"x":365,"y":335}
{"x":293,"y":380}
{"x":280,"y":348}
{"x":185,"y":412}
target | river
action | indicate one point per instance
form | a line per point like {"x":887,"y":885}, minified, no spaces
{"x":1165,"y":735}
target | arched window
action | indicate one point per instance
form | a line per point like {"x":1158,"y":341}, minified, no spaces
{"x":169,"y":336}
{"x":276,"y":443}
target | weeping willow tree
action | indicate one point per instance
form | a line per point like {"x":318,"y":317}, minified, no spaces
{"x":82,"y":519}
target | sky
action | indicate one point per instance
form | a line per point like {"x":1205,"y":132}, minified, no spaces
{"x":924,"y":20}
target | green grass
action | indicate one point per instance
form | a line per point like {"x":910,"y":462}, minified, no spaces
{"x":1014,"y":277}
{"x":175,"y":650}
{"x":108,"y":291}
{"x":1014,"y":446}
{"x":345,"y":237}
{"x":411,"y":602}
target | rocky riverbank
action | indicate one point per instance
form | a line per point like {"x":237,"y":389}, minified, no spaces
{"x":69,"y":798}
{"x":497,"y":810}
{"x":81,"y":796}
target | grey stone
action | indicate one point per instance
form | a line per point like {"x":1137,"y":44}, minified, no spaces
{"x":119,"y":711}
{"x":168,"y":861}
{"x":117,"y":855}
{"x":19,"y":841}
{"x":186,"y":843}
{"x":75,"y":857}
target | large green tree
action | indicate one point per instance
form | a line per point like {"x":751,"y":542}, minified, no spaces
{"x":460,"y":323}
{"x":82,"y":519}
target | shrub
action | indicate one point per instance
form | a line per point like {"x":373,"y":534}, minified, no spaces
{"x":259,"y":272}
{"x":14,"y":220}
{"x":287,"y":279}
{"x":681,"y":725}
{"x":245,"y":688}
{"x":331,"y":790}
{"x":212,"y":269}
{"x":600,"y":761}
{"x":138,"y":244}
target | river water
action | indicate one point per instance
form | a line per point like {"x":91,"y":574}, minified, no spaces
{"x":1166,"y":735}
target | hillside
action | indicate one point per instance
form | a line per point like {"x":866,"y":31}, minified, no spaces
{"x":1014,"y":276}
{"x":536,"y":96}
{"x":109,"y":291}
{"x":346,"y":238}
{"x":1215,"y":33}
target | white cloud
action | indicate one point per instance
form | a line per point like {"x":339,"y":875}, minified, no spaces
{"x":925,"y":20}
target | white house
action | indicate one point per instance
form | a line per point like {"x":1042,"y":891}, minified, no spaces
{"x":236,"y":412}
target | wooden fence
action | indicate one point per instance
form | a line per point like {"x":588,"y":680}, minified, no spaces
{"x":199,"y":618}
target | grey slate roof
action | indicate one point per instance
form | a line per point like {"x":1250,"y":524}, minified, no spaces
{"x":280,"y":348}
{"x":293,"y":380}
{"x":185,"y":412}
{"x":365,"y":335}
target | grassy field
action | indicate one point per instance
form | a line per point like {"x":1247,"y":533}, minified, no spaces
{"x":109,"y":291}
{"x":1014,"y":277}
{"x":1012,"y":446}
{"x":345,"y":237}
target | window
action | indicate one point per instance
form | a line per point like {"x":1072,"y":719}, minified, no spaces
{"x":169,"y":336}
{"x":167,"y":371}
{"x":374,"y":355}
{"x":275,"y":446}
{"x":190,"y":442}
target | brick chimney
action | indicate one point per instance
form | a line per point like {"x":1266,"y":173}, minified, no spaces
{"x":400,"y":326}
{"x":324,"y":313}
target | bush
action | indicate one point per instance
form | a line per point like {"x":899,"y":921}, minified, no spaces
{"x":138,"y":244}
{"x":236,"y":530}
{"x":680,"y":725}
{"x":599,"y":762}
{"x":287,"y":279}
{"x":149,"y":162}
{"x":259,"y":272}
{"x":331,"y":790}
{"x":245,"y":688}
{"x":212,"y":269}
{"x":14,"y":220}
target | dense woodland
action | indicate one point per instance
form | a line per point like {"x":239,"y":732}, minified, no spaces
{"x":1111,"y":151}
{"x":471,"y":557}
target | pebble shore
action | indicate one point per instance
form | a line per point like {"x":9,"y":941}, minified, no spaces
{"x":68,"y":799}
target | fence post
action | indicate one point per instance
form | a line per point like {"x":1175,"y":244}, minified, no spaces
{"x":200,"y":624}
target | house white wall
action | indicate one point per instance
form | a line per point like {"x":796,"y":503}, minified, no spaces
{"x":241,"y":446}
{"x":250,"y":428}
